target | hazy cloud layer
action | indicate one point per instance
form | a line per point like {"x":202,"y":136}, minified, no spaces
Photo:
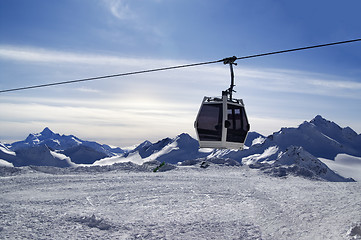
{"x":127,"y":110}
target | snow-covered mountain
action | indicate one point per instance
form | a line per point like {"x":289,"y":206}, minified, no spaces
{"x":56,"y":141}
{"x":52,"y":149}
{"x":302,"y":146}
{"x":6,"y":156}
{"x":182,"y":147}
{"x":318,"y":138}
{"x":293,"y":160}
{"x":38,"y":155}
{"x":253,"y":138}
{"x":41,"y":155}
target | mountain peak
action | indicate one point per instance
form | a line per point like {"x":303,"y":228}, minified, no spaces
{"x":319,"y":120}
{"x":185,"y":136}
{"x":144,"y":144}
{"x":47,"y":132}
{"x":327,"y":127}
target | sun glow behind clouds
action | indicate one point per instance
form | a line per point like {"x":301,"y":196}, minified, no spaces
{"x":128,"y":110}
{"x":119,"y":124}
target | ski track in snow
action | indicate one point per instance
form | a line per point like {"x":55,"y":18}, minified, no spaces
{"x":185,"y":203}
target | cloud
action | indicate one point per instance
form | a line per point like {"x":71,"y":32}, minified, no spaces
{"x":300,"y":82}
{"x":347,"y":85}
{"x":87,"y":90}
{"x":119,"y":9}
{"x":30,"y":54}
{"x":124,"y":111}
{"x":55,"y":58}
{"x":137,"y":119}
{"x":204,"y":80}
{"x":138,"y":22}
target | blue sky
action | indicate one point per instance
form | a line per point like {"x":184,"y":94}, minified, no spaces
{"x":49,"y":41}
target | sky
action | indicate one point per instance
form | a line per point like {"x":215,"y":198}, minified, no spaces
{"x":46,"y":41}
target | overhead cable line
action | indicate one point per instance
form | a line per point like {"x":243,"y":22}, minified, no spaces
{"x":178,"y":66}
{"x":108,"y":76}
{"x":299,"y":49}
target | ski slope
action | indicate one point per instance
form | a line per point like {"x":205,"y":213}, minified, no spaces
{"x":219,"y":202}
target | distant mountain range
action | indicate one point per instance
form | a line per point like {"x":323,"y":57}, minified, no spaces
{"x":288,"y":151}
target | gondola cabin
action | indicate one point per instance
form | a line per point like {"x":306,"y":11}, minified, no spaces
{"x":222,"y":123}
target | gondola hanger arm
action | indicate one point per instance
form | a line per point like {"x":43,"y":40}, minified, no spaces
{"x":230,"y":60}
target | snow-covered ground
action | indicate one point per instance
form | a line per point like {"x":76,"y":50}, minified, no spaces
{"x":218,"y":202}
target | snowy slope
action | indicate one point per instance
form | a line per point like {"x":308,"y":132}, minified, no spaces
{"x":291,"y":161}
{"x":182,"y":147}
{"x":186,"y":203}
{"x":345,"y":165}
{"x":40,"y":156}
{"x":253,"y":138}
{"x":4,"y":163}
{"x":5,"y":150}
{"x":83,"y":154}
{"x":6,"y":156}
{"x":302,"y":163}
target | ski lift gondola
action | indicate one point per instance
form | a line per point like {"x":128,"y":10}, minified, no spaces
{"x":222,"y":121}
